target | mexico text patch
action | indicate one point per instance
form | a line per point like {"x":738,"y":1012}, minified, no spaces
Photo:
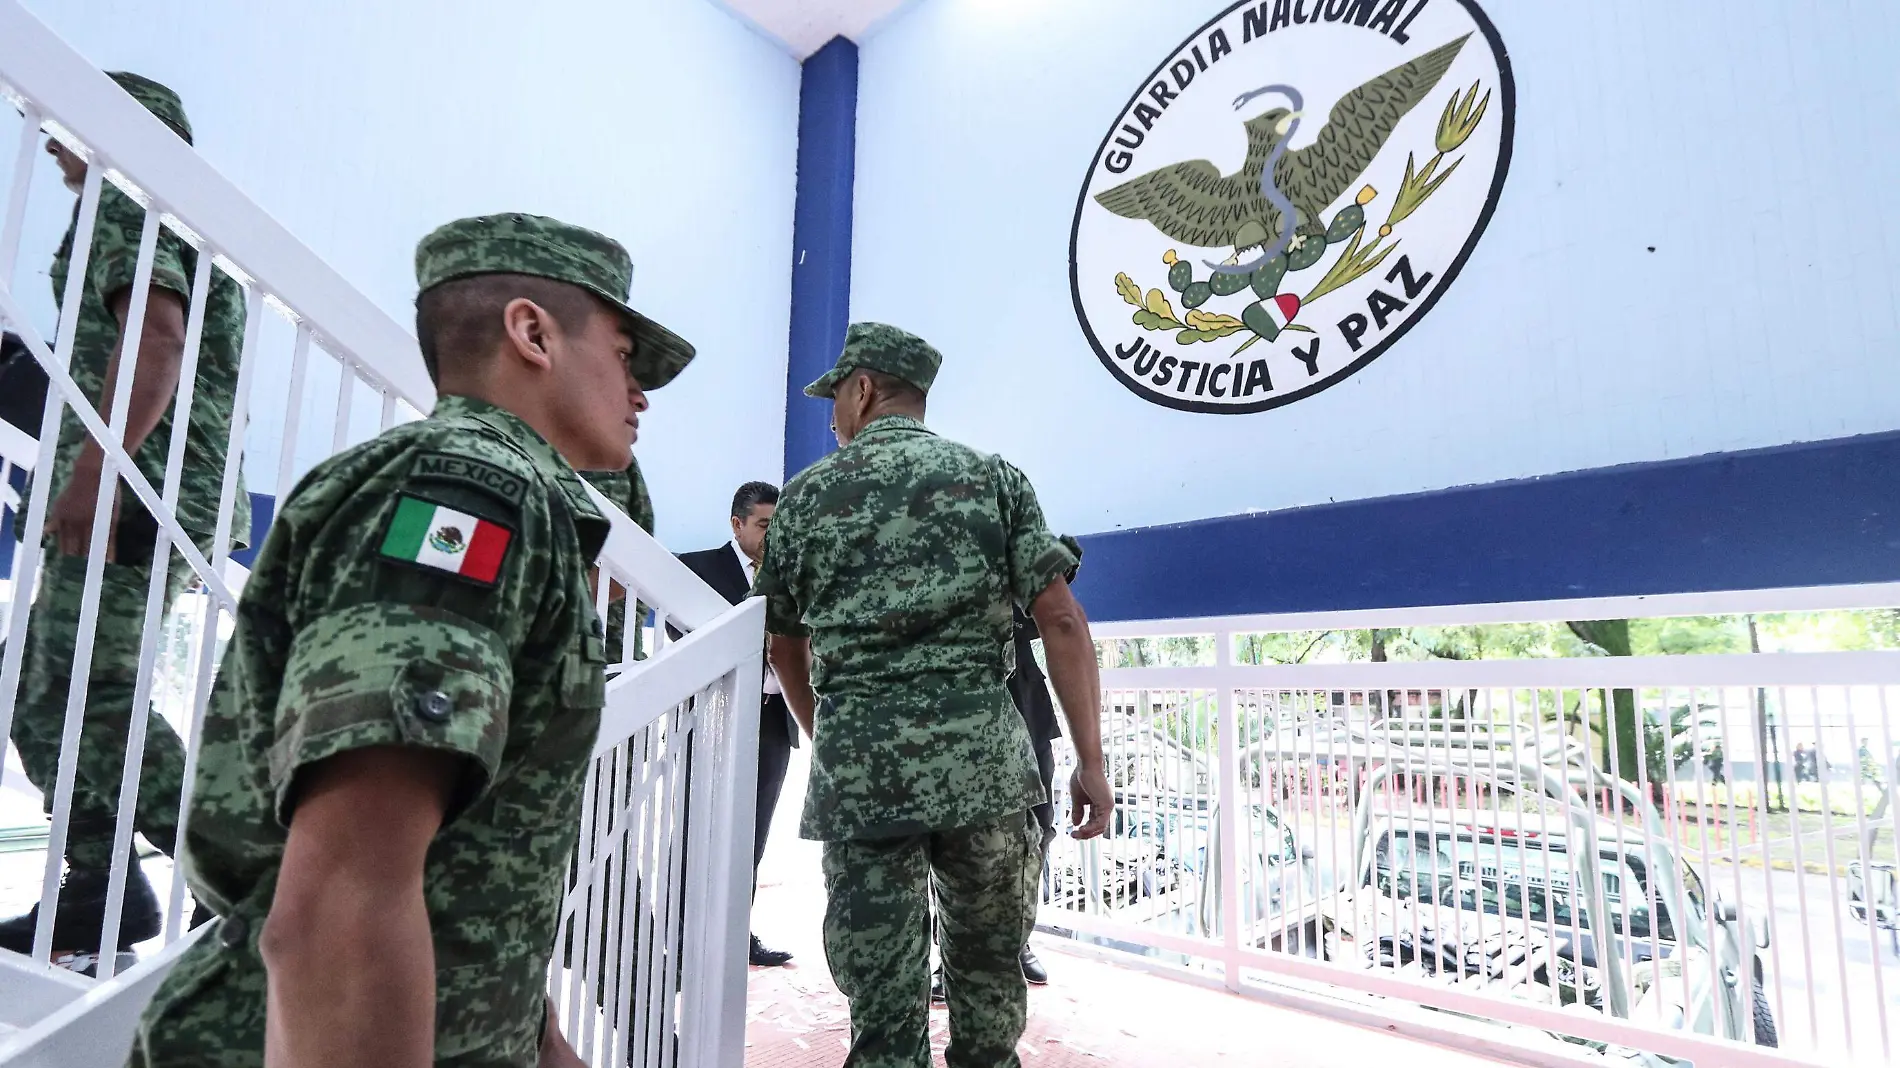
{"x":447,"y":467}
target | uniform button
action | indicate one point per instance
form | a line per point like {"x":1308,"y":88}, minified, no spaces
{"x":433,"y":706}
{"x":232,"y":931}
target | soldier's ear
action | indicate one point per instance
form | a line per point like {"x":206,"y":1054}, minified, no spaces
{"x":527,"y":326}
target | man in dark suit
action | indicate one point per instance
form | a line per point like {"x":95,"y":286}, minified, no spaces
{"x":1031,"y":691}
{"x":729,"y":569}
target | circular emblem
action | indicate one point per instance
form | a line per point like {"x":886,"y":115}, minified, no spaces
{"x":446,"y":539}
{"x":1286,"y":194}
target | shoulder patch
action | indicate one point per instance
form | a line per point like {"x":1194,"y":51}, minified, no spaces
{"x":439,"y":538}
{"x":468,"y":471}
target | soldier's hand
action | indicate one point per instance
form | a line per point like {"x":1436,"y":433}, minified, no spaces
{"x":555,"y":1051}
{"x":70,"y":517}
{"x":1091,"y":802}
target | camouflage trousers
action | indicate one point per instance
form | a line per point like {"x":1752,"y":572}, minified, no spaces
{"x":39,"y":717}
{"x":878,"y":930}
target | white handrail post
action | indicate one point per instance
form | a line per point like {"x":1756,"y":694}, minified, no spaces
{"x":724,"y":774}
{"x":1226,"y":727}
{"x":14,"y":220}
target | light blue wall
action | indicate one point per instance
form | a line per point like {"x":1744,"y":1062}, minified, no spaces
{"x":1750,"y":142}
{"x":361,"y":125}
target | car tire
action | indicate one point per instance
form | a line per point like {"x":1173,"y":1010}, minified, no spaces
{"x":1765,"y":1034}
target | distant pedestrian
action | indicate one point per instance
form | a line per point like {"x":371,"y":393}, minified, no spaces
{"x":1804,"y":764}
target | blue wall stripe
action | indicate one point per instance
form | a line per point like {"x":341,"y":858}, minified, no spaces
{"x":17,"y":479}
{"x":821,"y":242}
{"x":1814,"y":514}
{"x":263,"y":510}
{"x":1817,"y":514}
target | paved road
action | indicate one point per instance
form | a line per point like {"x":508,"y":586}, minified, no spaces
{"x":1826,"y":984}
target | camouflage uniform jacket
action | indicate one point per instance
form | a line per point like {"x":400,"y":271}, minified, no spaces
{"x":110,"y":268}
{"x":628,"y":489}
{"x":900,"y":556}
{"x":344,"y":642}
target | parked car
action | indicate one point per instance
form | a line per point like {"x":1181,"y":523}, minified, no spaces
{"x":1510,"y":904}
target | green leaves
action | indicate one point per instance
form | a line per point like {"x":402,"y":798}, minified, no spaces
{"x":1156,"y":313}
{"x":1128,"y":289}
{"x":1202,"y":326}
{"x":1350,"y":266}
{"x":1458,"y":122}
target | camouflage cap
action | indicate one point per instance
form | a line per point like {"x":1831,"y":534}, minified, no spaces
{"x":877,"y":347}
{"x":549,"y":248}
{"x":158,"y":99}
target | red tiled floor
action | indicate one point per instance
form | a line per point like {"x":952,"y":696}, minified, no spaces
{"x":1093,"y":1013}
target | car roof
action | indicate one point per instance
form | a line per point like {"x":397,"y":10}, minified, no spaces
{"x":1506,"y":824}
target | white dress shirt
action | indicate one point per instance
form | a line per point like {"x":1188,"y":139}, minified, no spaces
{"x":771,"y":679}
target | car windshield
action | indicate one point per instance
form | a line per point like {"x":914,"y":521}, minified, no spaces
{"x":1515,"y":877}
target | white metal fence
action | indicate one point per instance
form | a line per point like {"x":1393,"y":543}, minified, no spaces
{"x":644,"y":976}
{"x":1470,"y":836}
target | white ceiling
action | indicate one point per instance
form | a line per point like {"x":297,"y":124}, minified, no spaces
{"x":805,"y":26}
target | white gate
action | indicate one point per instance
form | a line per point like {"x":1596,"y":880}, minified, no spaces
{"x":1361,"y":839}
{"x":646,"y":975}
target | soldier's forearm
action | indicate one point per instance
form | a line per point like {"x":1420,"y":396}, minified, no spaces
{"x":356,"y":987}
{"x":1073,"y":669}
{"x":791,"y":659}
{"x":555,"y":1050}
{"x":348,"y":952}
{"x":161,"y":359}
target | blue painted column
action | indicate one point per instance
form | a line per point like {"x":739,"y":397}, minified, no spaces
{"x":821,"y":243}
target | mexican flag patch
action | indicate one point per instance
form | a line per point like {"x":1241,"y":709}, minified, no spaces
{"x":433,"y":536}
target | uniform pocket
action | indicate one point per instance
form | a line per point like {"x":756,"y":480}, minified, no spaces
{"x":584,"y":677}
{"x":492,"y":1009}
{"x":213,"y":991}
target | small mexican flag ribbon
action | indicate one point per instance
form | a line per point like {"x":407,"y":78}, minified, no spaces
{"x":1282,"y":309}
{"x":434,"y":536}
{"x":1270,"y":316}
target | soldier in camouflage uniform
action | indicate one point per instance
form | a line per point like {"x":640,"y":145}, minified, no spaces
{"x":895,"y":562}
{"x":391,"y":777}
{"x":626,"y":488}
{"x":104,"y":296}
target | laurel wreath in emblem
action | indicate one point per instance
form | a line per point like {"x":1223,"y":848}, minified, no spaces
{"x":1271,"y":311}
{"x":447,"y":540}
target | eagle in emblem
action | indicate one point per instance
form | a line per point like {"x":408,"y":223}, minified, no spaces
{"x":1193,"y":203}
{"x":447,"y":540}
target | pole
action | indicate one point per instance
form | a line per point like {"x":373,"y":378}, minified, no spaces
{"x":1767,"y":737}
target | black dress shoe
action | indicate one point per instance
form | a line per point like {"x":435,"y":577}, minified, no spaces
{"x":79,"y":921}
{"x":768,"y":958}
{"x":1033,"y":971}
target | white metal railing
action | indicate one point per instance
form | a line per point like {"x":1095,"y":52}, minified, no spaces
{"x":679,"y":971}
{"x":1450,"y":834}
